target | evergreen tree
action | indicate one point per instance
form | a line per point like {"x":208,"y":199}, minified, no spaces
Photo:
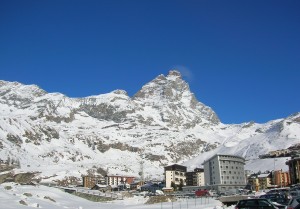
{"x":180,"y":185}
{"x":174,"y":186}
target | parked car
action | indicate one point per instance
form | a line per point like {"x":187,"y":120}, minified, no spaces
{"x":278,"y":198}
{"x":294,"y":202}
{"x":260,"y":203}
{"x":294,"y":193}
{"x":200,"y":193}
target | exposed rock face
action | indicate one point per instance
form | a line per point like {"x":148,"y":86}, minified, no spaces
{"x":163,"y":123}
{"x":170,"y":98}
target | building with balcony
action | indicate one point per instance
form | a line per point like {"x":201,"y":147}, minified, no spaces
{"x":224,"y":173}
{"x":195,"y":178}
{"x":91,"y":181}
{"x":253,"y":183}
{"x":264,"y":181}
{"x":175,"y":174}
{"x":294,"y":169}
{"x":281,"y":178}
{"x":116,"y":180}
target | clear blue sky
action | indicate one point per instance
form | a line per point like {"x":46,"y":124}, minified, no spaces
{"x":242,"y":58}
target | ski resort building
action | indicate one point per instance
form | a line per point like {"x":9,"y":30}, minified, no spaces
{"x":115,"y":180}
{"x":294,"y":168}
{"x":195,"y":178}
{"x":175,"y":174}
{"x":91,"y":181}
{"x":224,"y":173}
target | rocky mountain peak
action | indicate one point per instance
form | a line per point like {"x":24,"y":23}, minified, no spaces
{"x":174,"y":73}
{"x":18,"y":94}
{"x":120,"y":91}
{"x":171,"y":88}
{"x":171,"y":96}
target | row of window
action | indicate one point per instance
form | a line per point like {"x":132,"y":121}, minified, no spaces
{"x":232,"y":167}
{"x":227,"y":167}
{"x":179,"y":173}
{"x":232,"y":177}
{"x":230,"y":162}
{"x":230,"y":182}
{"x":232,"y":172}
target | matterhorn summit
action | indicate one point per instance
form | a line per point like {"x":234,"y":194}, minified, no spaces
{"x":171,"y":100}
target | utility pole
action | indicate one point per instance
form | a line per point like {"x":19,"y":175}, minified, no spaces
{"x":142,"y":166}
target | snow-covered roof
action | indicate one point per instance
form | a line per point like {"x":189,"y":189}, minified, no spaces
{"x":263,"y":175}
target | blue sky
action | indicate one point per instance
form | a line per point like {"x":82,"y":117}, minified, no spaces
{"x":242,"y":58}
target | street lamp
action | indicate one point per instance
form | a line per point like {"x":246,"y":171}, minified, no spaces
{"x":274,"y":163}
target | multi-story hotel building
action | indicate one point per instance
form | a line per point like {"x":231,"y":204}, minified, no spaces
{"x":224,"y":172}
{"x":91,"y":181}
{"x":294,"y":169}
{"x":115,"y":180}
{"x":195,"y":178}
{"x":176,"y":174}
{"x":281,"y":178}
{"x":264,"y":181}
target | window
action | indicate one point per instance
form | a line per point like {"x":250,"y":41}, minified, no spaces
{"x":250,"y":203}
{"x":263,"y":203}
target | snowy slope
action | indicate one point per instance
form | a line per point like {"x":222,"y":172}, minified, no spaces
{"x":163,"y":123}
{"x":53,"y":198}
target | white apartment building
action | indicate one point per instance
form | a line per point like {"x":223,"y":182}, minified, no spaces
{"x":225,"y":173}
{"x":175,"y":173}
{"x":200,"y":180}
{"x":115,"y":180}
{"x":195,"y":178}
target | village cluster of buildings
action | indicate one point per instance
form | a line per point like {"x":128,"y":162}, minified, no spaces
{"x":220,"y":173}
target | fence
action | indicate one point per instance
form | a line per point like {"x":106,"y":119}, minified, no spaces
{"x":185,"y":203}
{"x":93,"y":192}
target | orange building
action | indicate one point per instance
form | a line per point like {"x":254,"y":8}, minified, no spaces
{"x":281,"y":178}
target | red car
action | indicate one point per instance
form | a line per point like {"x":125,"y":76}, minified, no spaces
{"x":201,"y":193}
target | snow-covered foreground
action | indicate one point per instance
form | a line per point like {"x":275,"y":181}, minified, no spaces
{"x":12,"y":195}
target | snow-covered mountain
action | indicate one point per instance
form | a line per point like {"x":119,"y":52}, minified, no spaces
{"x":163,"y":123}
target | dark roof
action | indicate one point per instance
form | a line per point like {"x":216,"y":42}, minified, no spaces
{"x":175,"y":167}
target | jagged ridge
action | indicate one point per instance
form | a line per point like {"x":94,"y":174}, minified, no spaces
{"x":162,"y":123}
